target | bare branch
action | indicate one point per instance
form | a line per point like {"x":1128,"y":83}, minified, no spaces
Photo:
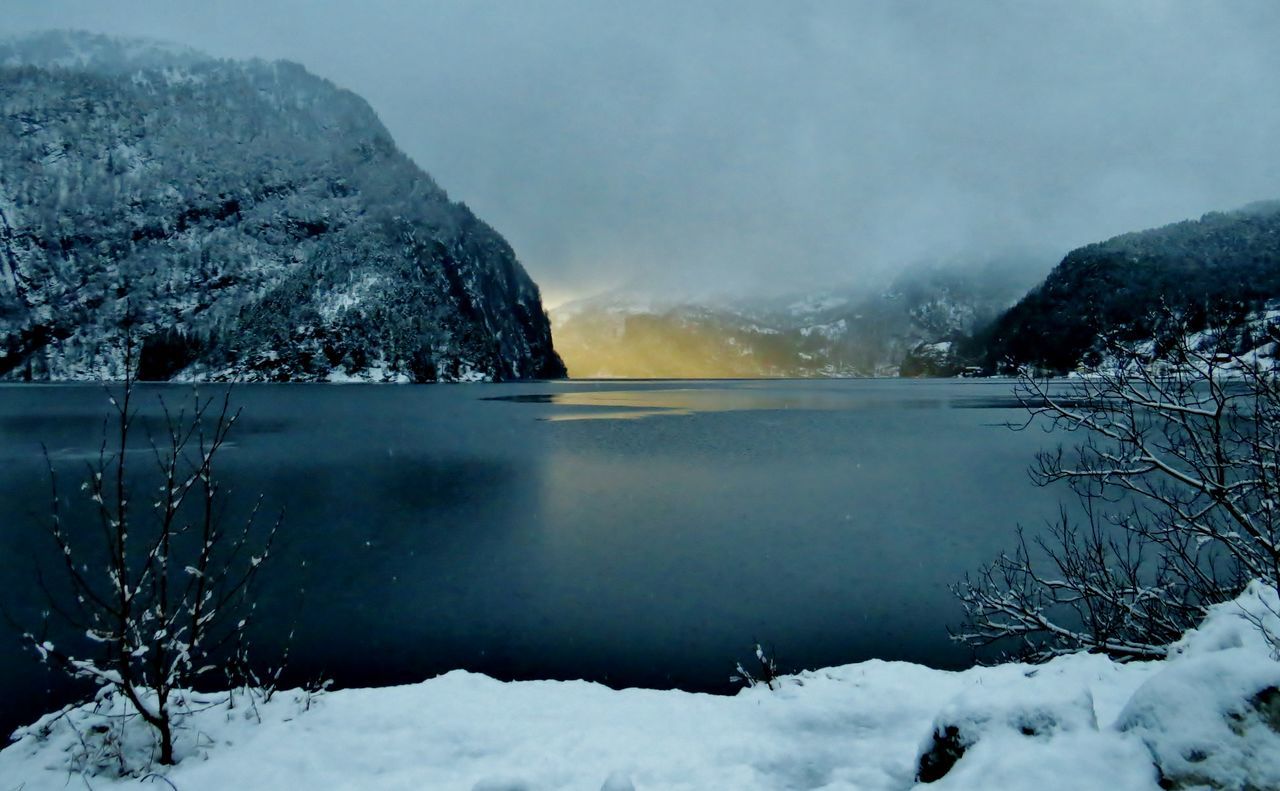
{"x":1189,"y":449}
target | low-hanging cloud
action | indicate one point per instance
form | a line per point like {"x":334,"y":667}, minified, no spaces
{"x":742,"y":145}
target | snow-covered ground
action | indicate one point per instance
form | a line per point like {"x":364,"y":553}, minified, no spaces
{"x":1080,"y":722}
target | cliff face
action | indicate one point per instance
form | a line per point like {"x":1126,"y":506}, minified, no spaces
{"x":237,"y":220}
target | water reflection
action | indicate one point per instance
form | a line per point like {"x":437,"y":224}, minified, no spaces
{"x":611,"y":404}
{"x":441,"y":529}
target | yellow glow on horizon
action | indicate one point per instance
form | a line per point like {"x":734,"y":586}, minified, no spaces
{"x":554,"y":299}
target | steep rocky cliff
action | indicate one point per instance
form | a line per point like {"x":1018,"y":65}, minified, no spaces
{"x":237,"y":221}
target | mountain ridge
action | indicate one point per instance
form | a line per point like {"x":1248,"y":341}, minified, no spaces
{"x":241,"y":220}
{"x":1217,"y":270}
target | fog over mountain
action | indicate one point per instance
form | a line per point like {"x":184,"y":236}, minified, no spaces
{"x":742,"y":146}
{"x":854,"y":332}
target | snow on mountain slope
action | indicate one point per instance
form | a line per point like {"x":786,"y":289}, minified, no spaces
{"x":1216,"y":271}
{"x":238,"y":220}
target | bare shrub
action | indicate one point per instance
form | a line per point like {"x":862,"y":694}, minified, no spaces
{"x":1177,"y":476}
{"x":159,"y":585}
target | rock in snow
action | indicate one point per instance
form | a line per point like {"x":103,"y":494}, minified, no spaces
{"x":242,"y":221}
{"x":1212,"y":718}
{"x":1078,"y":722}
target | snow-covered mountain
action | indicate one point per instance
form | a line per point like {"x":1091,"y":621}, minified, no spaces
{"x":841,"y":333}
{"x":237,"y":220}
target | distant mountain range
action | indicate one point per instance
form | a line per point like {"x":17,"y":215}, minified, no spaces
{"x":1220,"y":272}
{"x":839,"y":333}
{"x":238,"y":220}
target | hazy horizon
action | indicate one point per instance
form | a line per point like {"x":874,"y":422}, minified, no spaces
{"x":748,"y":147}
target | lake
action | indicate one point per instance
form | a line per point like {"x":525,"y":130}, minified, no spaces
{"x":634,"y":533}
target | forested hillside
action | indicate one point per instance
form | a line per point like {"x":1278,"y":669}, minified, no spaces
{"x":238,"y":221}
{"x":1221,"y":271}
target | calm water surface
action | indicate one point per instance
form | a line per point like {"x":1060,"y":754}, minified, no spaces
{"x":635,"y":533}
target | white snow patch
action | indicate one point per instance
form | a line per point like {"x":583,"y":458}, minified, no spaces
{"x":468,"y":374}
{"x":357,"y":290}
{"x":831,"y":331}
{"x":1078,"y":722}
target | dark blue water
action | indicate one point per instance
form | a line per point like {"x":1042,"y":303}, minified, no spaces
{"x":632,"y":533}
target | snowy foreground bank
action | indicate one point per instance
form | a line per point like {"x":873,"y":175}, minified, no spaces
{"x":1208,"y":714}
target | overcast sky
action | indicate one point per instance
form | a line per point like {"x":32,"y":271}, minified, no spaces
{"x":720,"y":145}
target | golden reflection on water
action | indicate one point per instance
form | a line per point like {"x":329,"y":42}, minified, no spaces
{"x":639,"y":404}
{"x":630,"y":414}
{"x":645,"y":402}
